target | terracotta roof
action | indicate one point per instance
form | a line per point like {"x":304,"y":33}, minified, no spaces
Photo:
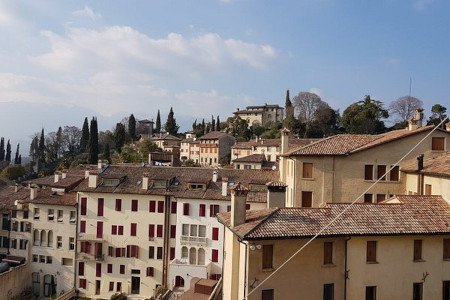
{"x":165,"y":136}
{"x":48,"y":197}
{"x":213,"y":135}
{"x":398,"y":216}
{"x":344,"y":144}
{"x":253,"y":158}
{"x":436,"y":165}
{"x":255,"y":143}
{"x":8,"y":196}
{"x":248,"y":111}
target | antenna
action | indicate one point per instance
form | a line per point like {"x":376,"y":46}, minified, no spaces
{"x":410,"y":86}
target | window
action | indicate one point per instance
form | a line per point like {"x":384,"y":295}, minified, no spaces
{"x":82,"y":283}
{"x":186,"y":209}
{"x":185,"y":229}
{"x":328,"y":291}
{"x":417,"y":250}
{"x":428,"y":189}
{"x":160,"y":206}
{"x":42,"y":259}
{"x":23,"y":244}
{"x":51,"y":215}
{"x":381,"y":197}
{"x":114,"y":229}
{"x":122,"y":269}
{"x":446,"y":253}
{"x":368,"y":198}
{"x":134,"y":205}
{"x":120,"y":230}
{"x":159,"y":252}
{"x":371,"y":292}
{"x":118,"y":204}
{"x":214,"y":255}
{"x":99,"y":229}
{"x":381,"y":170}
{"x":83,"y":206}
{"x":151,"y":231}
{"x":81,"y":268}
{"x":394,"y":174}
{"x":417,"y":290}
{"x":100,"y":205}
{"x":60,"y":215}
{"x":213,"y":210}
{"x":35,"y":214}
{"x":327,"y":253}
{"x":133,"y":229}
{"x":67,"y":262}
{"x":151,"y":252}
{"x":119,"y":286}
{"x":152,"y":206}
{"x":172,"y":253}
{"x":59,"y":242}
{"x":35,"y":258}
{"x":267,"y":294}
{"x":13,"y":243}
{"x":71,"y":243}
{"x":159,"y":231}
{"x":267,"y":257}
{"x":371,"y":255}
{"x":306,"y":199}
{"x":193,"y":230}
{"x":25,"y":214}
{"x":173,"y":208}
{"x":133,"y":251}
{"x":73,"y":217}
{"x":247,"y":206}
{"x":215,"y":233}
{"x":202,"y":210}
{"x":98,"y":270}
{"x":150,"y":271}
{"x":111,"y":286}
{"x":307,"y":170}
{"x":49,"y":260}
{"x":368,"y":172}
{"x":446,"y":290}
{"x":437,"y":143}
{"x":173,"y":231}
{"x":82,"y":226}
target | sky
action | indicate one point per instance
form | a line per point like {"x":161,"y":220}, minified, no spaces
{"x":62,"y":61}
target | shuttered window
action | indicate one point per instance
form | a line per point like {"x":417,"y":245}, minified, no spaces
{"x":267,"y":256}
{"x":214,"y":210}
{"x":100,"y":206}
{"x":327,"y":253}
{"x":215,"y":234}
{"x":152,"y":206}
{"x":151,"y":231}
{"x":446,"y":248}
{"x":368,"y":198}
{"x":368,"y":172}
{"x":133,"y":229}
{"x":173,"y":208}
{"x":186,"y":209}
{"x":173,"y":231}
{"x":81,"y":268}
{"x":134,"y":205}
{"x":371,"y":251}
{"x":307,"y":170}
{"x":159,"y":252}
{"x":82,"y":283}
{"x":381,"y":197}
{"x":122,"y":269}
{"x":109,"y":268}
{"x":118,"y":204}
{"x":120,"y":230}
{"x":214,"y":255}
{"x":159,"y":231}
{"x":267,"y":294}
{"x":371,"y":292}
{"x":83,"y":206}
{"x":99,"y":229}
{"x":201,"y":210}
{"x":113,"y":229}
{"x":428,"y":189}
{"x":381,"y":170}
{"x":417,"y":250}
{"x":394,"y":174}
{"x":172,"y":253}
{"x":328,"y":291}
{"x":160,"y":206}
{"x":98,"y":270}
{"x":437,"y":143}
{"x":306,"y":199}
{"x":150,"y":271}
{"x":82,"y":226}
{"x":151,"y":252}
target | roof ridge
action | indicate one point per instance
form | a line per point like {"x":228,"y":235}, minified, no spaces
{"x":311,"y":144}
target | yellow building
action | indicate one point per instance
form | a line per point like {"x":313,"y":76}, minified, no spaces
{"x":398,"y":249}
{"x":261,"y":114}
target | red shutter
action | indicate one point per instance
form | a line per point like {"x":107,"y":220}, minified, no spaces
{"x":211,"y":210}
{"x":98,"y":270}
{"x":160,"y":206}
{"x":202,"y":209}
{"x":109,"y":268}
{"x":100,"y":205}
{"x":114,"y":229}
{"x":159,"y":231}
{"x":151,"y":206}
{"x":215,"y":255}
{"x":99,"y":229}
{"x":81,"y":268}
{"x":82,"y":226}
{"x":87,"y":247}
{"x":118,"y":204}
{"x":186,"y":209}
{"x":174,"y":207}
{"x":120,"y":230}
{"x":83,"y":208}
{"x":151,"y":230}
{"x":134,"y":205}
{"x":136,"y":249}
{"x":172,"y":253}
{"x":133,"y":229}
{"x":118,"y":252}
{"x":173,"y":231}
{"x":215,"y":234}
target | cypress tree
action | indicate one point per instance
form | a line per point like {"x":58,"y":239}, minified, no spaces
{"x":132,"y":127}
{"x":158,"y":123}
{"x":213,"y":124}
{"x":16,"y":158}
{"x":171,"y":123}
{"x":59,"y":141}
{"x":84,"y":141}
{"x":194,"y":125}
{"x":8,"y":152}
{"x":203,"y":126}
{"x":218,"y":123}
{"x":288,"y":100}
{"x":107,"y":153}
{"x":20,"y":159}
{"x":119,"y":136}
{"x":2,"y":149}
{"x":41,"y":147}
{"x":93,"y":142}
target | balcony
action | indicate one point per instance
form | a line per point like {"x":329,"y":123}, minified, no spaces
{"x":89,"y":257}
{"x":90,"y":237}
{"x":193,"y":240}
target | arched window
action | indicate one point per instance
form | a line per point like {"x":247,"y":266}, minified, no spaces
{"x":184,"y":252}
{"x":49,"y":286}
{"x":36,"y":239}
{"x":36,"y":282}
{"x":179,"y":281}
{"x":50,"y":239}
{"x":201,"y":257}
{"x":192,"y":256}
{"x":43,"y":238}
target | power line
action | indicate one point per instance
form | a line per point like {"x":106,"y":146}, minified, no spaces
{"x":342,"y":212}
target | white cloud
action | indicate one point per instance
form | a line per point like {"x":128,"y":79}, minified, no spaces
{"x":87,"y":12}
{"x":422,"y":4}
{"x":7,"y":16}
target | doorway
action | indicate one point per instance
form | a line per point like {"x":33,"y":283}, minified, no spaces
{"x":135,"y":284}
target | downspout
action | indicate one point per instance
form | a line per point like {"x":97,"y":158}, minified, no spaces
{"x":166,"y":239}
{"x":245,"y":268}
{"x":9,"y":232}
{"x":75,"y":269}
{"x":345,"y":267}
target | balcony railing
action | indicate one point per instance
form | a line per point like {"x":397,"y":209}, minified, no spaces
{"x":89,"y":237}
{"x":90,"y":257}
{"x":193,"y":240}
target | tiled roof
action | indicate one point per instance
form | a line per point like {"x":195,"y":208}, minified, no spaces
{"x":165,"y":136}
{"x":253,"y":158}
{"x":400,"y":215}
{"x":255,"y":143}
{"x":8,"y":196}
{"x":343,"y":144}
{"x":213,"y":135}
{"x":437,"y":165}
{"x":48,"y":197}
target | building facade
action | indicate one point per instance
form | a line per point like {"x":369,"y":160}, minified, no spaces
{"x":261,"y":114}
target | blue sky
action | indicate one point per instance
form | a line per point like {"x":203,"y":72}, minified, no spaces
{"x":63,"y":60}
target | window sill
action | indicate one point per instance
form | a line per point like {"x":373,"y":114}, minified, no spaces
{"x":371,"y":262}
{"x":308,"y":178}
{"x":447,"y":259}
{"x":328,"y":266}
{"x":418,"y":260}
{"x":268,"y":270}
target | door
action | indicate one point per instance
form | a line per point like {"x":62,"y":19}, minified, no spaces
{"x":135,"y":284}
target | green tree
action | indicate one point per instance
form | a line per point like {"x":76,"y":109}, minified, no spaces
{"x":93,"y":142}
{"x":16,"y":158}
{"x":158,"y":123}
{"x":364,"y":117}
{"x":41,"y":148}
{"x":2,"y":149}
{"x":171,"y":126}
{"x":13,"y":172}
{"x":238,"y":128}
{"x":84,"y":141}
{"x":8,"y":152}
{"x":34,"y":149}
{"x":290,"y":122}
{"x":213,"y":124}
{"x":132,"y":127}
{"x":147,"y":146}
{"x":218,"y":124}
{"x":438,"y":113}
{"x":119,"y":136}
{"x":203,"y":127}
{"x":107,"y":152}
{"x":59,"y":142}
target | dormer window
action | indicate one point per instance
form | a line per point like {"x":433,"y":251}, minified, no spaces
{"x":111,"y":182}
{"x":196,"y":186}
{"x":159,"y":184}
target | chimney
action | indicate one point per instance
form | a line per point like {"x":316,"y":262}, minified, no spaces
{"x":33,"y":192}
{"x":215,"y":175}
{"x":276,"y":194}
{"x":63,"y":174}
{"x":447,"y":126}
{"x":150,"y":162}
{"x":284,"y":140}
{"x":145,"y":181}
{"x":93,"y":178}
{"x":16,"y":188}
{"x":86,"y":174}
{"x":420,"y":162}
{"x":418,"y":116}
{"x":57,"y":177}
{"x":99,"y":165}
{"x":238,"y":201}
{"x":224,"y":186}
